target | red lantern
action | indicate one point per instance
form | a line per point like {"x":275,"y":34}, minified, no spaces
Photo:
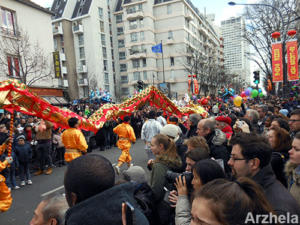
{"x":189,"y":75}
{"x":275,"y":35}
{"x":194,"y":76}
{"x":204,"y":101}
{"x":292,"y":33}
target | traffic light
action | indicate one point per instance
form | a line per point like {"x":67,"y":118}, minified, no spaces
{"x":256,"y":77}
{"x":140,"y":85}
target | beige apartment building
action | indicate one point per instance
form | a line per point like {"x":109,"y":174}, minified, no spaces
{"x":178,"y":25}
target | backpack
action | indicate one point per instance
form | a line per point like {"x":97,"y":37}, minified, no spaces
{"x":144,"y":198}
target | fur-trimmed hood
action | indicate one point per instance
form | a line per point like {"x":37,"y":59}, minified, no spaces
{"x":289,"y":168}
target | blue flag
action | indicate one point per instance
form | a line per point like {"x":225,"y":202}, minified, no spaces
{"x":157,"y":48}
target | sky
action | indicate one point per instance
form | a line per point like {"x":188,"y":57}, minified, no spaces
{"x":220,"y":8}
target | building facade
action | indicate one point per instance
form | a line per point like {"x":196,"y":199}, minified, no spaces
{"x":236,"y":49}
{"x":25,"y":26}
{"x":82,"y":33}
{"x":178,"y":25}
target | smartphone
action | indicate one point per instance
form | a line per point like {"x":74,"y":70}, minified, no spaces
{"x":130,"y":219}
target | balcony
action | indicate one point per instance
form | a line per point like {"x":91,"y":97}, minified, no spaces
{"x":64,"y":70}
{"x":83,"y":82}
{"x":62,"y":56}
{"x":82,"y":69}
{"x":57,"y":30}
{"x":170,"y":41}
{"x":9,"y":32}
{"x":135,"y":15}
{"x":77,"y":29}
{"x":188,"y":17}
{"x":65,"y":83}
{"x":138,"y":55}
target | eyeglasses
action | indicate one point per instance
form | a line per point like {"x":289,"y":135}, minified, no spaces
{"x":292,"y":121}
{"x":236,"y":159}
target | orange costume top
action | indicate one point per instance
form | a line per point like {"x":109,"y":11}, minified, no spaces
{"x":126,"y":136}
{"x":5,"y":196}
{"x":74,"y":142}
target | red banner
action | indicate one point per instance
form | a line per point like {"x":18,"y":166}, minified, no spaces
{"x":277,"y":62}
{"x":190,"y":81}
{"x":196,"y":87}
{"x":292,"y":60}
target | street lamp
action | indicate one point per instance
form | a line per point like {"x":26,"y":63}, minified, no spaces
{"x":283,"y":32}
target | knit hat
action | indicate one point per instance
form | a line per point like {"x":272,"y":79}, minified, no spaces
{"x":225,"y":119}
{"x":284,"y":112}
{"x":135,"y":173}
{"x":21,"y":137}
{"x":171,"y":131}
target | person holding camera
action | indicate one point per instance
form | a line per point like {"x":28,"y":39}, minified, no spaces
{"x":166,"y":159}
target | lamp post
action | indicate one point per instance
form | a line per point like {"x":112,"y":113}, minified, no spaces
{"x":283,"y":42}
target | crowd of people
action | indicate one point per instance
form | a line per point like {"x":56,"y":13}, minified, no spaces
{"x":240,"y":165}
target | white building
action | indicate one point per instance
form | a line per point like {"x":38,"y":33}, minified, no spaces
{"x":18,"y":17}
{"x":236,"y":48}
{"x":82,"y":33}
{"x":141,"y":24}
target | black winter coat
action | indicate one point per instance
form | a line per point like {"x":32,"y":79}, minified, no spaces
{"x":23,"y":152}
{"x":105,"y":208}
{"x":278,"y":196}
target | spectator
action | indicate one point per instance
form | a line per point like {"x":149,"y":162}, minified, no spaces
{"x":59,"y":147}
{"x":262,"y":111}
{"x":279,"y":122}
{"x":161,"y":119}
{"x":196,"y":142}
{"x":229,"y":203}
{"x":253,"y":116}
{"x":292,"y":169}
{"x":294,"y":122}
{"x":204,"y":171}
{"x":223,"y":123}
{"x":50,"y":211}
{"x":216,"y":140}
{"x":192,"y":157}
{"x":192,"y":123}
{"x":281,"y":143}
{"x":89,"y":185}
{"x":24,"y":154}
{"x":250,"y":157}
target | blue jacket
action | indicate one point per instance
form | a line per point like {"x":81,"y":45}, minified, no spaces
{"x":24,"y":152}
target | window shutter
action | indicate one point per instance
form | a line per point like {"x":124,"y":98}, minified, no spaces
{"x":17,"y":67}
{"x":9,"y":66}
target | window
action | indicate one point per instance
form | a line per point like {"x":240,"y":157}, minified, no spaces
{"x":172,"y":61}
{"x":169,"y":9}
{"x":80,"y":39}
{"x":172,"y":75}
{"x":105,"y":65}
{"x":7,"y":22}
{"x":133,"y":37}
{"x":106,"y":78}
{"x":144,"y":62}
{"x":133,"y":24}
{"x":13,"y":66}
{"x":102,"y":26}
{"x":170,"y":34}
{"x":141,"y":22}
{"x":104,"y":52}
{"x":136,"y":76}
{"x":106,"y":87}
{"x":119,"y":18}
{"x":81,"y":53}
{"x":125,"y":91}
{"x":140,"y":7}
{"x":103,"y":39}
{"x":100,"y":11}
{"x":142,"y":36}
{"x":122,"y":55}
{"x":123,"y":67}
{"x":120,"y":31}
{"x":124,"y":79}
{"x":121,"y":43}
{"x":135,"y":63}
{"x":79,"y":11}
{"x":55,"y":44}
{"x":145,"y":77}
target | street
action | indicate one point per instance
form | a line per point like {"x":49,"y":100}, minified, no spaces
{"x":26,"y":199}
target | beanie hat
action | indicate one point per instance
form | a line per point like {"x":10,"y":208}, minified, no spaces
{"x":225,"y":119}
{"x":171,"y":131}
{"x":284,"y":112}
{"x":135,"y":173}
{"x":21,"y":137}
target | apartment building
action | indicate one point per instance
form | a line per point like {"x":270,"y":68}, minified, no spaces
{"x":21,"y":18}
{"x":236,"y":48}
{"x":82,"y":33}
{"x":178,"y":25}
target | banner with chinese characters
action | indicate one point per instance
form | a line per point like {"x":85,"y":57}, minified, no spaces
{"x":56,"y":61}
{"x":292,"y":60}
{"x":190,"y":82}
{"x":196,"y":87}
{"x":277,"y":66}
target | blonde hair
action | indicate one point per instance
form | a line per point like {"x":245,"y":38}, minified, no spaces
{"x":168,"y":144}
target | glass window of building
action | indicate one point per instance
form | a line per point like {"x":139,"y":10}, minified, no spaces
{"x":120,"y":31}
{"x":144,"y":62}
{"x":81,"y":53}
{"x":133,"y":37}
{"x":103,"y":39}
{"x":135,"y":63}
{"x":145,"y":77}
{"x":136,"y":76}
{"x":122,"y":55}
{"x":170,"y":34}
{"x":172,"y":62}
{"x":106,"y":86}
{"x":142,"y":36}
{"x":119,"y":18}
{"x":80,"y":39}
{"x":102,"y":26}
{"x":169,"y":9}
{"x":123,"y":67}
{"x":125,"y":91}
{"x":106,"y":78}
{"x":105,"y":65}
{"x":104,"y":52}
{"x":124,"y":79}
{"x":100,"y":11}
{"x":121,"y":43}
{"x":132,"y":24}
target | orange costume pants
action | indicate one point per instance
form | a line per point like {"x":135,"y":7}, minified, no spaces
{"x":124,"y":145}
{"x":5,"y":196}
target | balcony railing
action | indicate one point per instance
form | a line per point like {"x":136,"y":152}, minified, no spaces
{"x":83,"y":82}
{"x":57,"y":30}
{"x":9,"y":32}
{"x":77,"y":29}
{"x":81,"y":69}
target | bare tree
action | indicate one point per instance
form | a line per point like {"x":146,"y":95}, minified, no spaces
{"x":24,"y":60}
{"x":262,"y":21}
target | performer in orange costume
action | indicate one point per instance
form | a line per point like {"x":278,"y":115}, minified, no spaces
{"x":126,"y":136}
{"x":73,"y":140}
{"x":5,"y":196}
